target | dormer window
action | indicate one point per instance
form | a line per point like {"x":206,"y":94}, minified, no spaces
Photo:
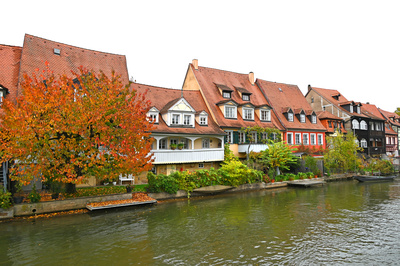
{"x":314,"y":119}
{"x":351,"y":108}
{"x":175,"y":119}
{"x":302,"y":118}
{"x":3,"y":93}
{"x":246,"y":97}
{"x":226,"y":94}
{"x":152,"y":115}
{"x":230,"y":111}
{"x":203,"y":120}
{"x":290,"y":117}
{"x":358,"y":109}
{"x":187,"y":120}
{"x":265,"y":115}
{"x":248,"y":113}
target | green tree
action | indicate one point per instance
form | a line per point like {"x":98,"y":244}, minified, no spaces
{"x":278,"y":156}
{"x":397,"y":111}
{"x":342,"y":152}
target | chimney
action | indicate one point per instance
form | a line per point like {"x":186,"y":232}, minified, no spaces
{"x":251,"y":78}
{"x":195,"y":63}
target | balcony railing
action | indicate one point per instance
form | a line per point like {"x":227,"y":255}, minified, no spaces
{"x":255,"y":147}
{"x":188,"y":156}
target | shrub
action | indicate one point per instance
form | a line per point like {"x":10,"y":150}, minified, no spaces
{"x":162,"y":183}
{"x":34,"y":196}
{"x":385,"y":167}
{"x":5,"y":199}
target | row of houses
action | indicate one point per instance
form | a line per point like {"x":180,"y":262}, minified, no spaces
{"x":213,"y":107}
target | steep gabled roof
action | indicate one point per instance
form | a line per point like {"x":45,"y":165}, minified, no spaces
{"x":389,"y":115}
{"x":209,"y":79}
{"x":10,"y":57}
{"x":329,"y":95}
{"x":284,"y":97}
{"x":371,"y":111}
{"x":64,"y":58}
{"x":161,"y":98}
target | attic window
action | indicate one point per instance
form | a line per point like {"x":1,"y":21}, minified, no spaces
{"x":246,"y":97}
{"x":280,"y":89}
{"x":290,"y":117}
{"x":57,"y":51}
{"x":226,"y":94}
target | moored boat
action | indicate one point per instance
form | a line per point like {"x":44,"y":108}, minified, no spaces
{"x":366,"y":178}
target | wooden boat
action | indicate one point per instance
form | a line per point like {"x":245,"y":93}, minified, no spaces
{"x":366,"y":178}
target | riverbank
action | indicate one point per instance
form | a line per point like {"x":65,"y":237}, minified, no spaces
{"x":71,"y":206}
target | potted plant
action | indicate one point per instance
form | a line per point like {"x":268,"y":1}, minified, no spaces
{"x":180,"y":146}
{"x":173,"y":146}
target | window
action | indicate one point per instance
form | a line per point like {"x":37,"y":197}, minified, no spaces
{"x":355,"y":124}
{"x":357,"y":142}
{"x":378,"y":127}
{"x":230,"y":111}
{"x":153,"y":117}
{"x":302,"y":118}
{"x":312,"y":139}
{"x":201,"y":165}
{"x":371,"y":126}
{"x":242,"y":137}
{"x":175,"y":119}
{"x":364,"y":143}
{"x":351,"y":109}
{"x":162,"y":144}
{"x":290,"y":117}
{"x":253,"y":137}
{"x":358,"y":109}
{"x":1,"y":96}
{"x":186,"y":119}
{"x":305,"y":139}
{"x":206,"y":143}
{"x":173,"y":141}
{"x":246,"y":97}
{"x":297,"y":138}
{"x":226,"y":94}
{"x":330,"y":123}
{"x":185,"y":143}
{"x":289,"y":137}
{"x":265,"y":115}
{"x":248,"y":113}
{"x":314,"y":119}
{"x":229,"y":137}
{"x":264,"y":136}
{"x":320,"y":139}
{"x":203,"y":120}
{"x":363,"y":125}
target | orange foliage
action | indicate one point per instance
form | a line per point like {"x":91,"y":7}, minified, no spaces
{"x":70,"y":128}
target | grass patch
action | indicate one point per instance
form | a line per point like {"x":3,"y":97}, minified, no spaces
{"x":103,"y":190}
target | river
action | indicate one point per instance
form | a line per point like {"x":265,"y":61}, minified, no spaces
{"x":337,"y":224}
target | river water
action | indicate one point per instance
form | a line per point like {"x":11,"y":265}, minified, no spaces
{"x":339,"y":223}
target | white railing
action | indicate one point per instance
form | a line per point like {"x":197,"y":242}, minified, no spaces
{"x":253,"y":147}
{"x":188,"y":156}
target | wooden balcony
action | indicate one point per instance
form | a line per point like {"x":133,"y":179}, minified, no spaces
{"x":187,"y":156}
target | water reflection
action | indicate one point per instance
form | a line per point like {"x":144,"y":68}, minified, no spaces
{"x":343,"y":222}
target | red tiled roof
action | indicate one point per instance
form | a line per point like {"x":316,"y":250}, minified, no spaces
{"x":10,"y":57}
{"x":162,"y":97}
{"x":371,"y":111}
{"x":283,"y":96}
{"x":207,"y":79}
{"x":327,"y":115}
{"x":36,"y":51}
{"x":328,"y":95}
{"x":389,"y":115}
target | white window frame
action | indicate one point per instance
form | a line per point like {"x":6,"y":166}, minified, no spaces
{"x":152,"y":117}
{"x":248,"y":113}
{"x":297,"y":138}
{"x":226,"y":94}
{"x":245,"y":97}
{"x":313,"y":139}
{"x":351,"y":108}
{"x":233,"y":112}
{"x":185,"y":143}
{"x":187,"y":120}
{"x":203,"y":120}
{"x":302,"y":118}
{"x":305,"y":139}
{"x":253,"y":137}
{"x":242,"y":137}
{"x":364,"y":143}
{"x":265,"y":115}
{"x":314,"y":119}
{"x":290,"y":117}
{"x":363,"y":125}
{"x":229,"y":137}
{"x":177,"y":120}
{"x":320,"y":139}
{"x":162,"y":144}
{"x":378,"y":127}
{"x":355,"y":124}
{"x":289,"y":140}
{"x":358,"y":109}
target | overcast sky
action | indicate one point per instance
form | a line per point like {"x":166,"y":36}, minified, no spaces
{"x":351,"y":46}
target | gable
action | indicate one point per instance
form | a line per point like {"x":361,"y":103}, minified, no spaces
{"x":182,"y":105}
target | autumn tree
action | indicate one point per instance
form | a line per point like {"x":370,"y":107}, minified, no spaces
{"x":397,"y":111}
{"x":67,"y":129}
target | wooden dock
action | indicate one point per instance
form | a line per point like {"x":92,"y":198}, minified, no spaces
{"x":306,"y":183}
{"x":93,"y":207}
